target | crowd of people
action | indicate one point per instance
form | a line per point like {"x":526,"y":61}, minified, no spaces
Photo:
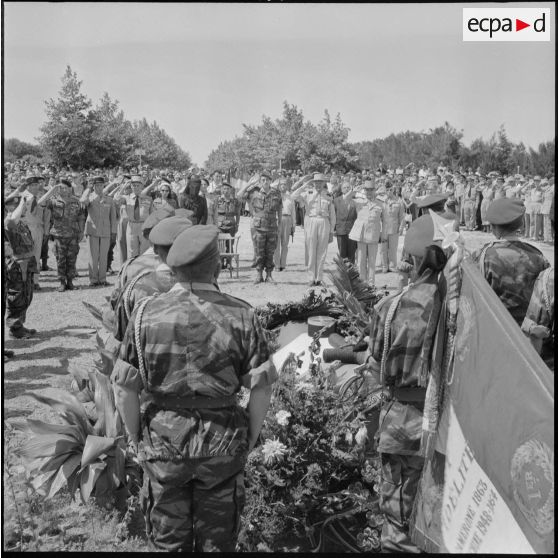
{"x":169,"y":316}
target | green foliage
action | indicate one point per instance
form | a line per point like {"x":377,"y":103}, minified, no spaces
{"x":80,"y":135}
{"x":15,"y":149}
{"x":77,"y":454}
{"x":289,"y":139}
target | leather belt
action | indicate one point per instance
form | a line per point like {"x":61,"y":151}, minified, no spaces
{"x":178,"y":403}
{"x":135,"y":222}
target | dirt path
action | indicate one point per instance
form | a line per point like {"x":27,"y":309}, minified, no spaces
{"x":66,"y":329}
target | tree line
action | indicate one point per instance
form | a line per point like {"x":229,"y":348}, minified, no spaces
{"x":80,"y":135}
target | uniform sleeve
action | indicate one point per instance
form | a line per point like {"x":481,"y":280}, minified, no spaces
{"x":377,"y":327}
{"x":332,"y":217}
{"x":125,"y":372}
{"x":537,"y":313}
{"x":113,"y":219}
{"x":258,"y":370}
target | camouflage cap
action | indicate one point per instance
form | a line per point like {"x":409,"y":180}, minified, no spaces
{"x":504,"y":210}
{"x":165,"y":232}
{"x":196,"y":244}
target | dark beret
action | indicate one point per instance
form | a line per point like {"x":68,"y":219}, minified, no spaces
{"x":165,"y":232}
{"x":504,"y":210}
{"x":419,"y":236}
{"x":226,"y":184}
{"x":97,"y":178}
{"x":265,"y":175}
{"x":156,"y":217}
{"x":429,"y":201}
{"x":33,"y":179}
{"x":195,"y":244}
{"x":65,"y":182}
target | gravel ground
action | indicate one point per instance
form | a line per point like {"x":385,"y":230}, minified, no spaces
{"x":67,"y":330}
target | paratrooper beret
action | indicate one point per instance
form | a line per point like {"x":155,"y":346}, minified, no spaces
{"x":265,"y":175}
{"x":504,"y":210}
{"x":196,"y":244}
{"x":165,"y":232}
{"x":33,"y":179}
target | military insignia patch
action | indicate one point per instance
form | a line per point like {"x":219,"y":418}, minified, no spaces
{"x":532,"y":473}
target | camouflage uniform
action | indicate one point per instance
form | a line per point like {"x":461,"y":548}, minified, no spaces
{"x":403,"y":373}
{"x":20,"y":267}
{"x":68,"y":218}
{"x":264,"y":217}
{"x":130,"y":269}
{"x":145,"y":283}
{"x":541,"y":312}
{"x":228,"y":215}
{"x":511,"y":267}
{"x":198,"y":347}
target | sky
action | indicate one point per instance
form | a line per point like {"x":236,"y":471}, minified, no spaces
{"x":202,"y":70}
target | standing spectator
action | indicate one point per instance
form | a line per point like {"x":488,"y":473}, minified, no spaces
{"x":393,"y":219}
{"x":470,"y":200}
{"x":288,"y":224}
{"x":536,"y":230}
{"x":67,"y":229}
{"x":366,"y":230}
{"x":319,"y":224}
{"x":102,"y":222}
{"x":345,"y":217}
{"x":138,"y":208}
{"x":192,"y":200}
{"x":20,"y":266}
{"x":163,"y":196}
{"x":211,"y":195}
{"x":548,"y":196}
{"x":227,"y":210}
{"x":487,"y":197}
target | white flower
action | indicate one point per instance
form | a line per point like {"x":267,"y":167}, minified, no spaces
{"x":273,"y":451}
{"x":282,"y":417}
{"x":361,"y":436}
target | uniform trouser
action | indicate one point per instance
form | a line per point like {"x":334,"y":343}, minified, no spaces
{"x":469,"y":213}
{"x":347,"y":247}
{"x":121,"y":239}
{"x":527,"y":224}
{"x":253,"y":236}
{"x":98,"y":253}
{"x":536,"y":230}
{"x":547,"y":228}
{"x":316,"y":238}
{"x":110,"y":254}
{"x":400,"y":481}
{"x":280,"y":256}
{"x":18,"y":296}
{"x":266,"y":242}
{"x":66,"y":251}
{"x":194,"y":505}
{"x":367,"y":252}
{"x":388,"y":250}
{"x":37,"y":236}
{"x":136,"y":243}
{"x":44,"y":249}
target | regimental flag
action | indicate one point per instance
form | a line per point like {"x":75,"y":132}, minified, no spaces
{"x":495,"y":460}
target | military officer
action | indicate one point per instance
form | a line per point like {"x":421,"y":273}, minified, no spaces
{"x":227,"y":210}
{"x":393,"y":219}
{"x":68,"y":226}
{"x":138,"y":207}
{"x":150,"y":281}
{"x":267,"y":208}
{"x":184,"y":357}
{"x":401,"y":357}
{"x":20,"y":264}
{"x":101,"y":225}
{"x":288,"y":225}
{"x":470,"y":203}
{"x":319,"y":224}
{"x":508,"y":264}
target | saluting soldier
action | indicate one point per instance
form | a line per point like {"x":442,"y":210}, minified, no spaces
{"x":508,"y":264}
{"x":20,"y":265}
{"x":393,"y":219}
{"x":184,"y":357}
{"x":68,"y":224}
{"x":227,"y":210}
{"x":267,"y":214}
{"x":288,"y":225}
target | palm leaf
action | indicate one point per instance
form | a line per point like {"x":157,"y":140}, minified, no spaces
{"x":95,"y":446}
{"x":40,"y":427}
{"x":107,"y":416}
{"x":43,"y":479}
{"x":69,"y":408}
{"x":65,"y":472}
{"x":46,"y":445}
{"x":96,"y":313}
{"x":88,"y":479}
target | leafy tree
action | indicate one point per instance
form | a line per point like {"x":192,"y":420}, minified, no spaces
{"x":15,"y":149}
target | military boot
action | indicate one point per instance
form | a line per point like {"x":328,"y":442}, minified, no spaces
{"x":268,"y":277}
{"x":259,"y":278}
{"x":69,"y":285}
{"x":62,"y":286}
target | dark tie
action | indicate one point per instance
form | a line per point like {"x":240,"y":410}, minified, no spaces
{"x":33,"y":204}
{"x":136,"y":210}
